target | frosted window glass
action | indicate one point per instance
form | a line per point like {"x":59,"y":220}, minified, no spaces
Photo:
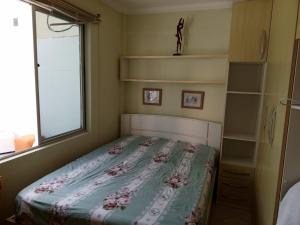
{"x":59,"y":76}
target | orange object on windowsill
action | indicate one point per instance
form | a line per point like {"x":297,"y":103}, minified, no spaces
{"x":24,"y":142}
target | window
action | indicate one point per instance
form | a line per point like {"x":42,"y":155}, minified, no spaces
{"x":41,"y":77}
{"x":60,"y":77}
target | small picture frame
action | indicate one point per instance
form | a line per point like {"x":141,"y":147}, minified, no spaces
{"x":152,"y":96}
{"x":192,"y":99}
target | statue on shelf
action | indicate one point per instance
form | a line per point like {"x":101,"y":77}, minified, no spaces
{"x":179,"y":36}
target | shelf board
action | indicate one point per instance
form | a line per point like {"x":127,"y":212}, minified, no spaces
{"x":212,"y":82}
{"x":244,"y":62}
{"x":240,"y":137}
{"x":244,"y":93}
{"x":204,"y":56}
{"x":296,"y":107}
{"x":248,"y":162}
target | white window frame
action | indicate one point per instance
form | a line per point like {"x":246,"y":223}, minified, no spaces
{"x":43,"y":141}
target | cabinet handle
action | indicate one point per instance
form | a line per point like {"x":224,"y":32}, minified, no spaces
{"x":263,"y":44}
{"x":289,"y":101}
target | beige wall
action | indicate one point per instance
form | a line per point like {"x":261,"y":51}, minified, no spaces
{"x":206,"y":32}
{"x":282,"y":36}
{"x":103,"y":107}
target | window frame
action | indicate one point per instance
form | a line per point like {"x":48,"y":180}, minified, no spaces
{"x":43,"y":141}
{"x":83,"y":95}
{"x":82,"y":129}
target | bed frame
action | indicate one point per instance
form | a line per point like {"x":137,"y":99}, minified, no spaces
{"x":176,"y":128}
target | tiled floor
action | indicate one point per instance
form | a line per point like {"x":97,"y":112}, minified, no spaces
{"x":226,"y":215}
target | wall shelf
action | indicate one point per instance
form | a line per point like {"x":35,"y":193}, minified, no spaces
{"x":213,"y":82}
{"x":244,"y":93}
{"x":240,"y":137}
{"x":239,"y":152}
{"x":238,"y":161}
{"x":204,"y":56}
{"x":242,"y":113}
{"x":175,"y":69}
{"x":246,"y":77}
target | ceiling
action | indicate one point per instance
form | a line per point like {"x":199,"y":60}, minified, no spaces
{"x":160,"y":6}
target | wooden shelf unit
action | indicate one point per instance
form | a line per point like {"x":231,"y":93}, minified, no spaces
{"x":170,"y":69}
{"x":239,"y":151}
{"x":243,"y":113}
{"x":241,"y":133}
{"x":245,"y":78}
{"x":244,"y":162}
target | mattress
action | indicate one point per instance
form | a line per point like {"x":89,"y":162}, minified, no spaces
{"x":134,"y":180}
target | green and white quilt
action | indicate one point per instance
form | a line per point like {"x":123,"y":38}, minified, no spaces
{"x":135,"y":180}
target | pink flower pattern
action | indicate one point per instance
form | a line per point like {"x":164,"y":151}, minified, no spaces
{"x":177,"y":180}
{"x":149,"y":141}
{"x":191,"y":148}
{"x":161,"y":157}
{"x":117,"y":199}
{"x":52,"y":185}
{"x":116,"y":149}
{"x":118,"y":169}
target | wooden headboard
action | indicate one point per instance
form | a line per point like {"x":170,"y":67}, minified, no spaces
{"x":176,"y":128}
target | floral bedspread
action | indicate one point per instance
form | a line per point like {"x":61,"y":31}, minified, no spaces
{"x":135,"y":180}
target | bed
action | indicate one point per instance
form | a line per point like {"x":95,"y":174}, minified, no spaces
{"x":160,"y":172}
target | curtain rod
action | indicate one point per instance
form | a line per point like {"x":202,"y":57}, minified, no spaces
{"x":78,"y":14}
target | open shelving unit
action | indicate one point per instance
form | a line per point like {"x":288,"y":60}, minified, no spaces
{"x":170,"y":69}
{"x":242,"y":116}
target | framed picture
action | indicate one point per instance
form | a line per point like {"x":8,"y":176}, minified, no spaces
{"x":192,"y":99}
{"x":152,"y":96}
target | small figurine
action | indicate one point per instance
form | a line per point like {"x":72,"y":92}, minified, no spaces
{"x":179,"y":36}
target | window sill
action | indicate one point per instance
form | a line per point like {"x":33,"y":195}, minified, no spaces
{"x":13,"y":156}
